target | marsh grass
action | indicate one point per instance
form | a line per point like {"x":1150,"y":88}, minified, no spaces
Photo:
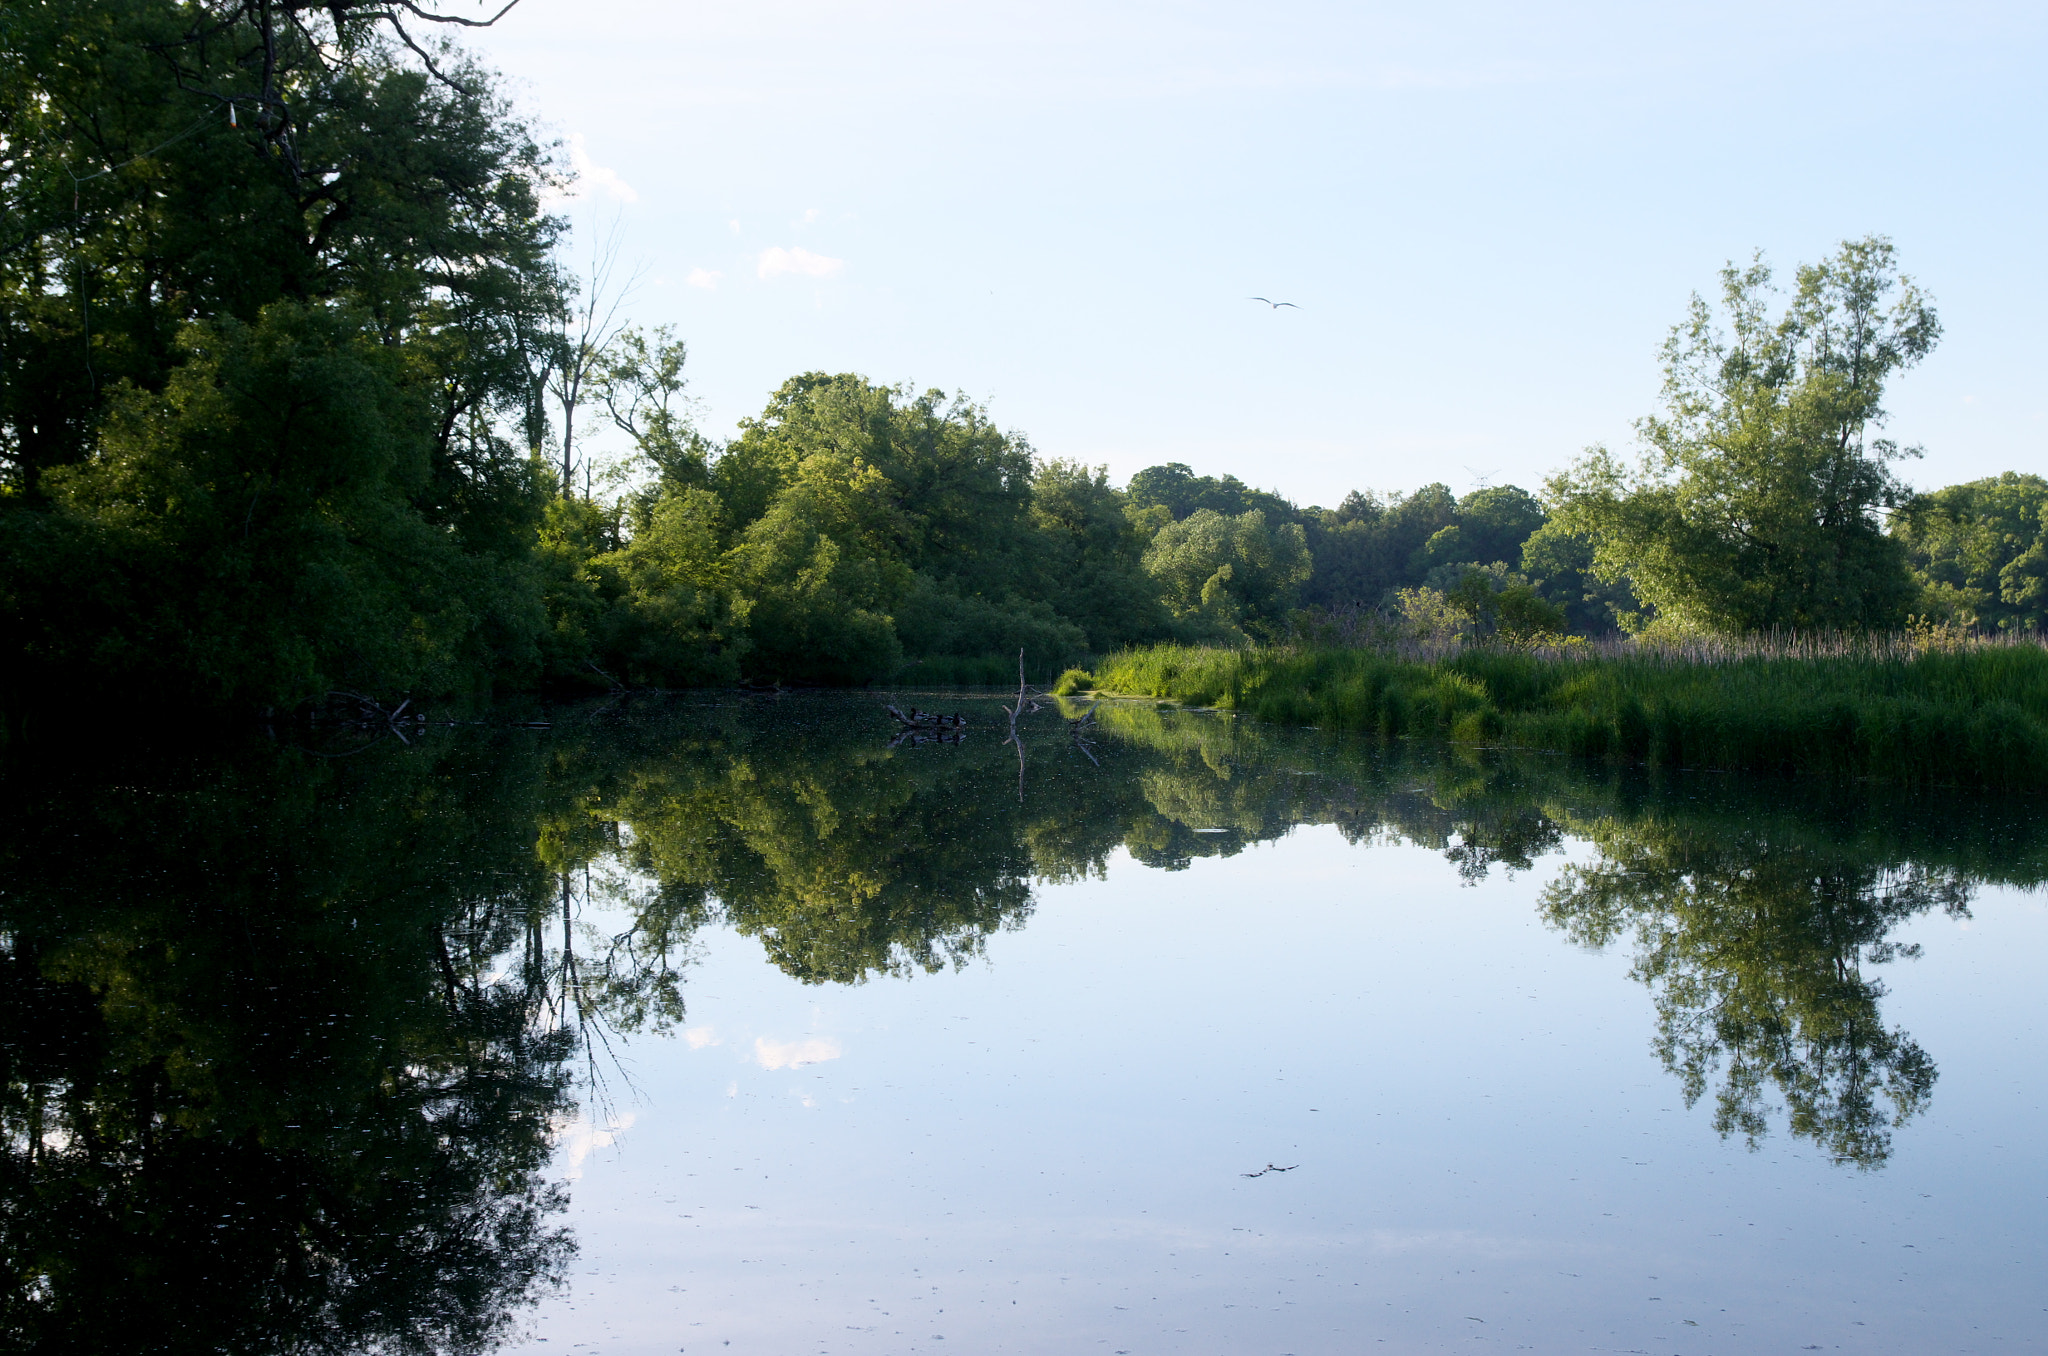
{"x":1914,"y":709}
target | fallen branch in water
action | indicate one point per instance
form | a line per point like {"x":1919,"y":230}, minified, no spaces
{"x":366,"y":713}
{"x":926,"y":720}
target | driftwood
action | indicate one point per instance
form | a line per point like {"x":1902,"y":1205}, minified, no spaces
{"x":926,"y":721}
{"x":354,"y":711}
{"x":916,"y":727}
{"x":366,"y":713}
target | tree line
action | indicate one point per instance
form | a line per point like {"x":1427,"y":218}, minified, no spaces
{"x":291,"y":378}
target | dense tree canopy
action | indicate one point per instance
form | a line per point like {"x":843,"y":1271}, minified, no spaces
{"x":1177,"y":489}
{"x":1227,"y":569}
{"x":289,"y":370}
{"x":1981,"y":551}
{"x":269,"y":299}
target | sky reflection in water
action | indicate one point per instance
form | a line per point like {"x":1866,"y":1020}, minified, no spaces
{"x":1557,"y":1058}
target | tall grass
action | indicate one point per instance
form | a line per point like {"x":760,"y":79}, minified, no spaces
{"x":1889,"y":709}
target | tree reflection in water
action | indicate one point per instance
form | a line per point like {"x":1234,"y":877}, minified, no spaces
{"x":1756,"y":908}
{"x":1755,"y":946}
{"x":287,"y":1040}
{"x":257,"y":1093}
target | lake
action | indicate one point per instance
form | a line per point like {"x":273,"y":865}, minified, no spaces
{"x":736,"y":1023}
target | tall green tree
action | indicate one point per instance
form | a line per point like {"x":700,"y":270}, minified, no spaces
{"x":1758,"y":497}
{"x":1560,"y":564}
{"x":641,"y":384}
{"x":960,"y":486}
{"x":816,"y":575}
{"x":1495,"y":520}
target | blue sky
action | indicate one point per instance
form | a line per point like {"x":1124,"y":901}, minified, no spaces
{"x":1488,"y":213}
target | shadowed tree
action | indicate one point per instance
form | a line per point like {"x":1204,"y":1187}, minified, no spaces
{"x":272,"y":289}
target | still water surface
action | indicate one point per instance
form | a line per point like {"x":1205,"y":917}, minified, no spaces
{"x":721,"y":1025}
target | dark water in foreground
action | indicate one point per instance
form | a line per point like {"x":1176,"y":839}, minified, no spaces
{"x":719,"y":1024}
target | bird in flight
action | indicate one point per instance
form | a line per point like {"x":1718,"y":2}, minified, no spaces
{"x":1276,"y":305}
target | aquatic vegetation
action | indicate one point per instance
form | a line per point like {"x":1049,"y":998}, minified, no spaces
{"x":1911,"y":709}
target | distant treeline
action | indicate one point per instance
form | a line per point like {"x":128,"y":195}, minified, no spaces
{"x":295,"y":396}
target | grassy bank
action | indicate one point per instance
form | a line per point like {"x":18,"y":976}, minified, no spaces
{"x":1973,"y":717}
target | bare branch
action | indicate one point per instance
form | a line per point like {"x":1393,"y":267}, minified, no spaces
{"x":431,"y":18}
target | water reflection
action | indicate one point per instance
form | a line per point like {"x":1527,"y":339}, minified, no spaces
{"x":288,"y":1041}
{"x":1755,"y":949}
{"x":257,"y":1096}
{"x":1757,"y":911}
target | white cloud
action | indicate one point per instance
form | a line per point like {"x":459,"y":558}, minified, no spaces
{"x":592,"y":179}
{"x":704,"y":277}
{"x":579,"y":1136}
{"x":697,"y":1037}
{"x":777,"y":260}
{"x":773,"y":1054}
{"x":810,"y":215}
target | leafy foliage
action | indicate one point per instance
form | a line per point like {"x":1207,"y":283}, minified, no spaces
{"x":1757,"y":499}
{"x":854,"y":530}
{"x":1228,"y":571}
{"x":253,"y":370}
{"x":1980,"y":551}
{"x":1177,"y":489}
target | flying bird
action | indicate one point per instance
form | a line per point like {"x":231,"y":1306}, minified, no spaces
{"x":1276,"y":305}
